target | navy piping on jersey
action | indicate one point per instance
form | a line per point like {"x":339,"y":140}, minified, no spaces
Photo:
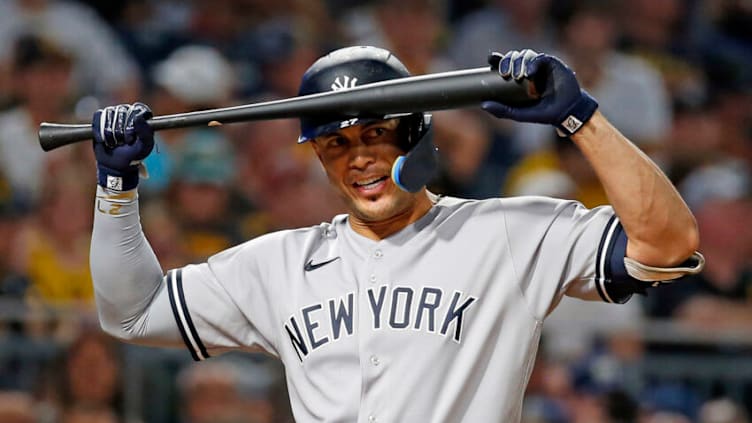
{"x":600,"y":258}
{"x":174,"y":279}
{"x":613,"y":283}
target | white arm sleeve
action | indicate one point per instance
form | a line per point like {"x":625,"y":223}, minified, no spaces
{"x":132,"y":302}
{"x":195,"y":306}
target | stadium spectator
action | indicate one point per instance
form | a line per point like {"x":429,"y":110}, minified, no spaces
{"x":273,"y":175}
{"x":83,"y":35}
{"x":720,"y":298}
{"x":200,"y":194}
{"x":722,"y":410}
{"x":228,"y":391}
{"x":696,"y":137}
{"x":280,"y":51}
{"x":627,"y":89}
{"x":735,"y":116}
{"x":91,"y":390}
{"x":13,"y":281}
{"x":164,"y":229}
{"x":42,"y":90}
{"x":52,"y":250}
{"x":657,"y":31}
{"x":17,"y":407}
{"x":500,"y":26}
{"x":193,"y":77}
{"x":413,"y":29}
{"x":150,"y":29}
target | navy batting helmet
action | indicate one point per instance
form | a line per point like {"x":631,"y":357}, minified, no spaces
{"x":354,"y":66}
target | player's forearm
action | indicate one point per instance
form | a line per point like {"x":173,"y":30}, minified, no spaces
{"x":662,"y":230}
{"x":127,"y":276}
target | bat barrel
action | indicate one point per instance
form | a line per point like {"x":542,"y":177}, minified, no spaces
{"x":440,"y":91}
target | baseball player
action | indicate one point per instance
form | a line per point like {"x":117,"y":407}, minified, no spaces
{"x":411,"y":307}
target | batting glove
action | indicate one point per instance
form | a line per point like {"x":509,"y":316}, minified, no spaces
{"x":122,"y":139}
{"x":562,"y":102}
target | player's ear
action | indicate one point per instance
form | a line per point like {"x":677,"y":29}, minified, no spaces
{"x":316,"y":149}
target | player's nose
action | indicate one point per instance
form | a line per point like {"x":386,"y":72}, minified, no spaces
{"x":361,"y":154}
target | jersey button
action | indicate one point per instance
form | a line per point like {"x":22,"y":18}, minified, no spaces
{"x":375,"y":360}
{"x":372,"y":278}
{"x":378,"y":254}
{"x":371,"y":419}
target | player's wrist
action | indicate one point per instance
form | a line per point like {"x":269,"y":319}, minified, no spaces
{"x":117,"y":180}
{"x":577,"y":115}
{"x":116,"y":196}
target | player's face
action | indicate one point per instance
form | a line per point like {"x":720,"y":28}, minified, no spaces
{"x":358,"y":161}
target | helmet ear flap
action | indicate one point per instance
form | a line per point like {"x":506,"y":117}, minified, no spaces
{"x":412,"y":129}
{"x":420,"y":164}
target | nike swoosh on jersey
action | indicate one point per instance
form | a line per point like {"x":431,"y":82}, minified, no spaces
{"x":310,"y":266}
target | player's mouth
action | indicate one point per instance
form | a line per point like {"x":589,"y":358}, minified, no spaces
{"x":371,"y":185}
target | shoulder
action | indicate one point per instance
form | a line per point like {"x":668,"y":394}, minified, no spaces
{"x":532,"y":207}
{"x":454,"y":210}
{"x":289,"y":244}
{"x":494,"y":218}
{"x":523,"y":202}
{"x":518,"y":210}
{"x":536,"y":202}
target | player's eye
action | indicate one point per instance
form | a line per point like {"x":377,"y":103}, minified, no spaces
{"x":375,"y":132}
{"x":335,"y":141}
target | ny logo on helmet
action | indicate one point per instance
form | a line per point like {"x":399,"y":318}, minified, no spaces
{"x":345,"y":83}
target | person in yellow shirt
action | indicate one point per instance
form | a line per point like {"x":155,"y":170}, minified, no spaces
{"x":53,"y":248}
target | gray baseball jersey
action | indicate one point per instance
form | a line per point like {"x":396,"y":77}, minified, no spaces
{"x":439,"y":322}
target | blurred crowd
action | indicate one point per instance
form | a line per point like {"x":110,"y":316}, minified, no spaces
{"x":673,"y":75}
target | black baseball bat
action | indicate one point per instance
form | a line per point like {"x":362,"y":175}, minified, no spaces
{"x":437,"y":91}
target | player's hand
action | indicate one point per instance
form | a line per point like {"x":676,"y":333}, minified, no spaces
{"x":122,"y":139}
{"x":562,"y":102}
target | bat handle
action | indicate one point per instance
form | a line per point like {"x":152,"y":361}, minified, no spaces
{"x":54,"y":135}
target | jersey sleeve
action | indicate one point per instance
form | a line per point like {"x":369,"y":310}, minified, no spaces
{"x":561,"y":248}
{"x":222,"y":304}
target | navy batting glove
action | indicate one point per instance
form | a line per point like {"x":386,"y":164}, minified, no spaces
{"x":122,"y":139}
{"x":562,"y":102}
